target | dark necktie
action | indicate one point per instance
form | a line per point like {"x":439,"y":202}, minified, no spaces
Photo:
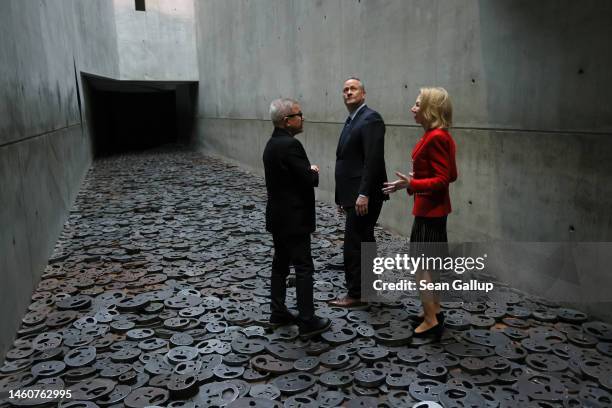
{"x":345,"y":131}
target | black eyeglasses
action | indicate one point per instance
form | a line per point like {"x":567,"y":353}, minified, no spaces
{"x":300,"y":114}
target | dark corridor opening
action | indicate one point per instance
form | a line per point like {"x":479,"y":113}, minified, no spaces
{"x":133,"y":121}
{"x":131,"y":116}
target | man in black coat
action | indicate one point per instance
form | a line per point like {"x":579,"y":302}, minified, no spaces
{"x":360,"y":174}
{"x":290,"y":217}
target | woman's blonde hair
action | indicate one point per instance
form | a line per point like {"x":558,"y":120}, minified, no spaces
{"x":436,"y":107}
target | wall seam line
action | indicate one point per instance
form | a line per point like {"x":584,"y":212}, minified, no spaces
{"x":39,"y":135}
{"x":491,"y":129}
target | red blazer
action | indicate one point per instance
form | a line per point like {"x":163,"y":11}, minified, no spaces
{"x":434,"y":167}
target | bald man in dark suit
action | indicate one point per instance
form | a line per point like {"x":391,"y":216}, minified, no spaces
{"x":360,"y":174}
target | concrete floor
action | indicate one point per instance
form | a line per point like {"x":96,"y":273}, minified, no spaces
{"x":160,"y":279}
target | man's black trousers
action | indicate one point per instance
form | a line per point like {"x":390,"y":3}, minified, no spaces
{"x":292,"y":250}
{"x":357,"y":229}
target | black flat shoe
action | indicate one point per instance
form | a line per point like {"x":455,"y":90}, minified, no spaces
{"x":416,"y":323}
{"x":435,"y":331}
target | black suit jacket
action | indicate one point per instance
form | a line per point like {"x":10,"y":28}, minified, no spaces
{"x":360,"y":160}
{"x":290,"y":183}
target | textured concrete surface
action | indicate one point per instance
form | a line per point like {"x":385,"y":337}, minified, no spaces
{"x":41,"y":43}
{"x":528,"y":83}
{"x":156,"y":44}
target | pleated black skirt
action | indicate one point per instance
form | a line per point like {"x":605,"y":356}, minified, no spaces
{"x":429,"y":237}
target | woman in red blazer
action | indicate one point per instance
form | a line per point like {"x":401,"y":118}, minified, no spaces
{"x":433,"y":169}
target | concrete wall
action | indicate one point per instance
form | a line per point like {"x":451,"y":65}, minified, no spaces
{"x":158,"y":43}
{"x":186,"y":100}
{"x":528,"y":80}
{"x":44,"y":145}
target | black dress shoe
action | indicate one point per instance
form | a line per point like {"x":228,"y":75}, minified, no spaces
{"x":419,"y":319}
{"x":312,"y":327}
{"x":284,"y":319}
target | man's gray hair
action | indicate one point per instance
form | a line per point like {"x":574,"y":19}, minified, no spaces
{"x":280,"y":108}
{"x":356,"y":79}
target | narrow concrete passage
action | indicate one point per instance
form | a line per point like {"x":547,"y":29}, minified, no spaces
{"x":156,"y":295}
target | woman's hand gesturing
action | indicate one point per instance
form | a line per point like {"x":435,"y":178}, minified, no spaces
{"x":400,"y":184}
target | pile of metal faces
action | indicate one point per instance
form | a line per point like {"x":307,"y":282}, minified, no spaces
{"x":157,"y":295}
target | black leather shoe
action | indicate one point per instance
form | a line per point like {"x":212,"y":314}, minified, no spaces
{"x":312,"y":327}
{"x":347,"y":301}
{"x":417,"y":322}
{"x":283,"y":319}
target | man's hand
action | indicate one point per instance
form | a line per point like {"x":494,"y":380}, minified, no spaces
{"x":361,"y":205}
{"x":400,"y":184}
{"x":340,"y":210}
{"x":314,"y":168}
